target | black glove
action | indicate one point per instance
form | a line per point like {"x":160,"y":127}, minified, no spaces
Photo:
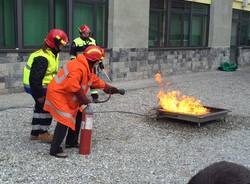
{"x":82,"y":98}
{"x":110,"y":89}
{"x":101,"y":66}
{"x":95,"y":97}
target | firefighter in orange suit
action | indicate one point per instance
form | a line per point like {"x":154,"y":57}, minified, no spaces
{"x":67,"y":92}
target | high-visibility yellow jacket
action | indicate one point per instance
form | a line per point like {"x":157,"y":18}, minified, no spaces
{"x":80,"y":42}
{"x":53,"y":64}
{"x":80,"y":45}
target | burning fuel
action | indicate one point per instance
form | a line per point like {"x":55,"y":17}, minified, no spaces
{"x":175,"y":101}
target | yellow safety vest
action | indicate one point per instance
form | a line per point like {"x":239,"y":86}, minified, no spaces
{"x":80,"y":42}
{"x":53,"y":64}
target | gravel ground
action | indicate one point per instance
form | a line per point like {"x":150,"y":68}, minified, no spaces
{"x":129,"y":148}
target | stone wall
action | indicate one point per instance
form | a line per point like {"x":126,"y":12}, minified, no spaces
{"x":131,"y":64}
{"x":126,"y":64}
{"x":11,"y":71}
{"x":244,"y":57}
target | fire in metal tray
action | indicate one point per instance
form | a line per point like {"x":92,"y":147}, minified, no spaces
{"x":175,"y":105}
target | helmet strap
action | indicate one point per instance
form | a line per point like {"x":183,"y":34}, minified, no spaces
{"x":57,"y":41}
{"x":92,"y":63}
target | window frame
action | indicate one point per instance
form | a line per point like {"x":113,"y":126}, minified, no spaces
{"x":15,"y":28}
{"x":19,"y":29}
{"x":168,"y":13}
{"x":158,"y":23}
{"x":94,"y":28}
{"x":50,"y":25}
{"x":240,"y":20}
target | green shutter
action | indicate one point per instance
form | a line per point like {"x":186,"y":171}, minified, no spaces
{"x":100,"y":29}
{"x":7,"y":24}
{"x":82,"y":14}
{"x":1,"y":24}
{"x":199,"y":31}
{"x":92,"y":14}
{"x":196,"y":31}
{"x":186,"y":31}
{"x":155,"y":28}
{"x":175,"y":38}
{"x":61,"y":14}
{"x":36,"y":22}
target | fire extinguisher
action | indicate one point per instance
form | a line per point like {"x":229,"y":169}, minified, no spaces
{"x":87,"y":124}
{"x":86,"y":130}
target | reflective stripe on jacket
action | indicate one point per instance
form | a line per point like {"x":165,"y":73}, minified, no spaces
{"x":61,"y":101}
{"x":53,"y":63}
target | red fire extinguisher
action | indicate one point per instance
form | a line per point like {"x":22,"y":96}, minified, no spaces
{"x":86,"y":131}
{"x":87,"y":124}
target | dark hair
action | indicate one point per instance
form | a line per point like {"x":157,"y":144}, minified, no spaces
{"x":44,"y":47}
{"x":222,"y":173}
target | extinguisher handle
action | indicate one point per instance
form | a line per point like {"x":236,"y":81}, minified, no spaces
{"x":89,"y":109}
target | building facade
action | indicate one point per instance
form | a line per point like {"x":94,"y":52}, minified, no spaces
{"x":141,"y":37}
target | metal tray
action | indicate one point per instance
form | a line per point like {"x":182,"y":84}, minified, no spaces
{"x":214,"y":114}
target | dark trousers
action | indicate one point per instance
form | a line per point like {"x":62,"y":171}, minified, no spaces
{"x":41,"y":120}
{"x":60,"y":133}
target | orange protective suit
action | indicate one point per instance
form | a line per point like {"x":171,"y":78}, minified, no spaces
{"x":61,"y":99}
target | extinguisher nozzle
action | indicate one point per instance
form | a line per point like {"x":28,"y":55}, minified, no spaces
{"x":121,"y":91}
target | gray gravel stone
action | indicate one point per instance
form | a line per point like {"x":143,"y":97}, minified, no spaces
{"x":129,"y":148}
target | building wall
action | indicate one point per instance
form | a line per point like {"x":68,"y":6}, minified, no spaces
{"x":220,"y":23}
{"x":10,"y":73}
{"x":244,"y":57}
{"x":130,"y":64}
{"x":128,"y":24}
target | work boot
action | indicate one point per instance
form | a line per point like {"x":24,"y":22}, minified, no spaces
{"x":46,"y":137}
{"x":60,"y":150}
{"x":59,"y":154}
{"x":34,"y":137}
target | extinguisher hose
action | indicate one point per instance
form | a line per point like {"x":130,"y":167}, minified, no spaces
{"x":120,"y":91}
{"x":102,"y":101}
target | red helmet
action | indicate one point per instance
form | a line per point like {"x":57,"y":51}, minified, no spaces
{"x":94,"y":53}
{"x":56,"y":37}
{"x":85,"y":30}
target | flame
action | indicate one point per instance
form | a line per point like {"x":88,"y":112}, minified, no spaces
{"x":158,"y":78}
{"x":175,"y":101}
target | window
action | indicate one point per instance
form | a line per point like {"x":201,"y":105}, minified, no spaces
{"x":157,"y":15}
{"x":175,"y":31}
{"x":38,"y":17}
{"x":199,"y":24}
{"x":241,"y":20}
{"x":7,"y":24}
{"x":61,"y":14}
{"x":100,"y":24}
{"x":93,"y":14}
{"x":178,"y":23}
{"x":35,"y":22}
{"x":245,"y":28}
